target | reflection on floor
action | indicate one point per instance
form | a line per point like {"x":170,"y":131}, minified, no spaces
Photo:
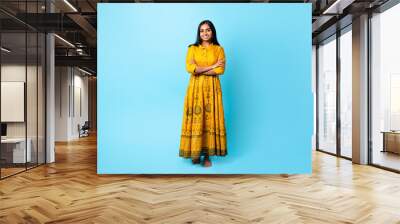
{"x":386,"y":159}
{"x":10,"y":169}
{"x":346,"y":152}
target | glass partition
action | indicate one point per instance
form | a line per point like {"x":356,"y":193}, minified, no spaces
{"x":346,"y":93}
{"x":327,"y":95}
{"x":14,"y":153}
{"x":385,"y":89}
{"x":22,"y":88}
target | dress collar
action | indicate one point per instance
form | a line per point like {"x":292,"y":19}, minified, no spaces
{"x":201,"y":46}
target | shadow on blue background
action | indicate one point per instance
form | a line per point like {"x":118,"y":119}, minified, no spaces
{"x":266,"y":86}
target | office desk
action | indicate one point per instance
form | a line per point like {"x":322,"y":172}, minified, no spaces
{"x":391,"y":141}
{"x":13,"y":150}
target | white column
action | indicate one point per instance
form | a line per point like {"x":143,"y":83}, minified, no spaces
{"x":360,"y":90}
{"x":314,"y":92}
{"x":50,"y":92}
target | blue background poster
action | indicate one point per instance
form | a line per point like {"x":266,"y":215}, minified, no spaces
{"x":266,"y":87}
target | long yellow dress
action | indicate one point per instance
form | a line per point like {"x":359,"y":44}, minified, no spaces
{"x":203,"y":126}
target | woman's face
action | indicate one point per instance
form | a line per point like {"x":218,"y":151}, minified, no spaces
{"x":205,"y":32}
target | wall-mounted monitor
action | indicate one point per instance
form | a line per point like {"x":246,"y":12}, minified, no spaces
{"x":12,"y":101}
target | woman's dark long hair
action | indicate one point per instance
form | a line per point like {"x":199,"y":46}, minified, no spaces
{"x":213,"y":40}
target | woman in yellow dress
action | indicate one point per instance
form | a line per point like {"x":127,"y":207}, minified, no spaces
{"x":203,"y":126}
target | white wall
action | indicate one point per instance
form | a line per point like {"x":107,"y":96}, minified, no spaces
{"x":62,"y":81}
{"x":80,"y":105}
{"x":71,"y":94}
{"x":15,"y":72}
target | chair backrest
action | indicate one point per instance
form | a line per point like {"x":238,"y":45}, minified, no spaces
{"x":86,"y":125}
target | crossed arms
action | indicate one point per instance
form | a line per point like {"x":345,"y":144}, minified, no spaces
{"x":216,"y":69}
{"x":208,"y":70}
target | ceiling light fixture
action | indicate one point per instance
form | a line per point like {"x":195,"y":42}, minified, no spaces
{"x":64,"y":40}
{"x":5,"y":50}
{"x":337,"y":7}
{"x":330,"y":8}
{"x":70,"y":5}
{"x":84,"y":71}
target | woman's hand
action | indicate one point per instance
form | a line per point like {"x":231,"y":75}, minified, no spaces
{"x":220,"y":63}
